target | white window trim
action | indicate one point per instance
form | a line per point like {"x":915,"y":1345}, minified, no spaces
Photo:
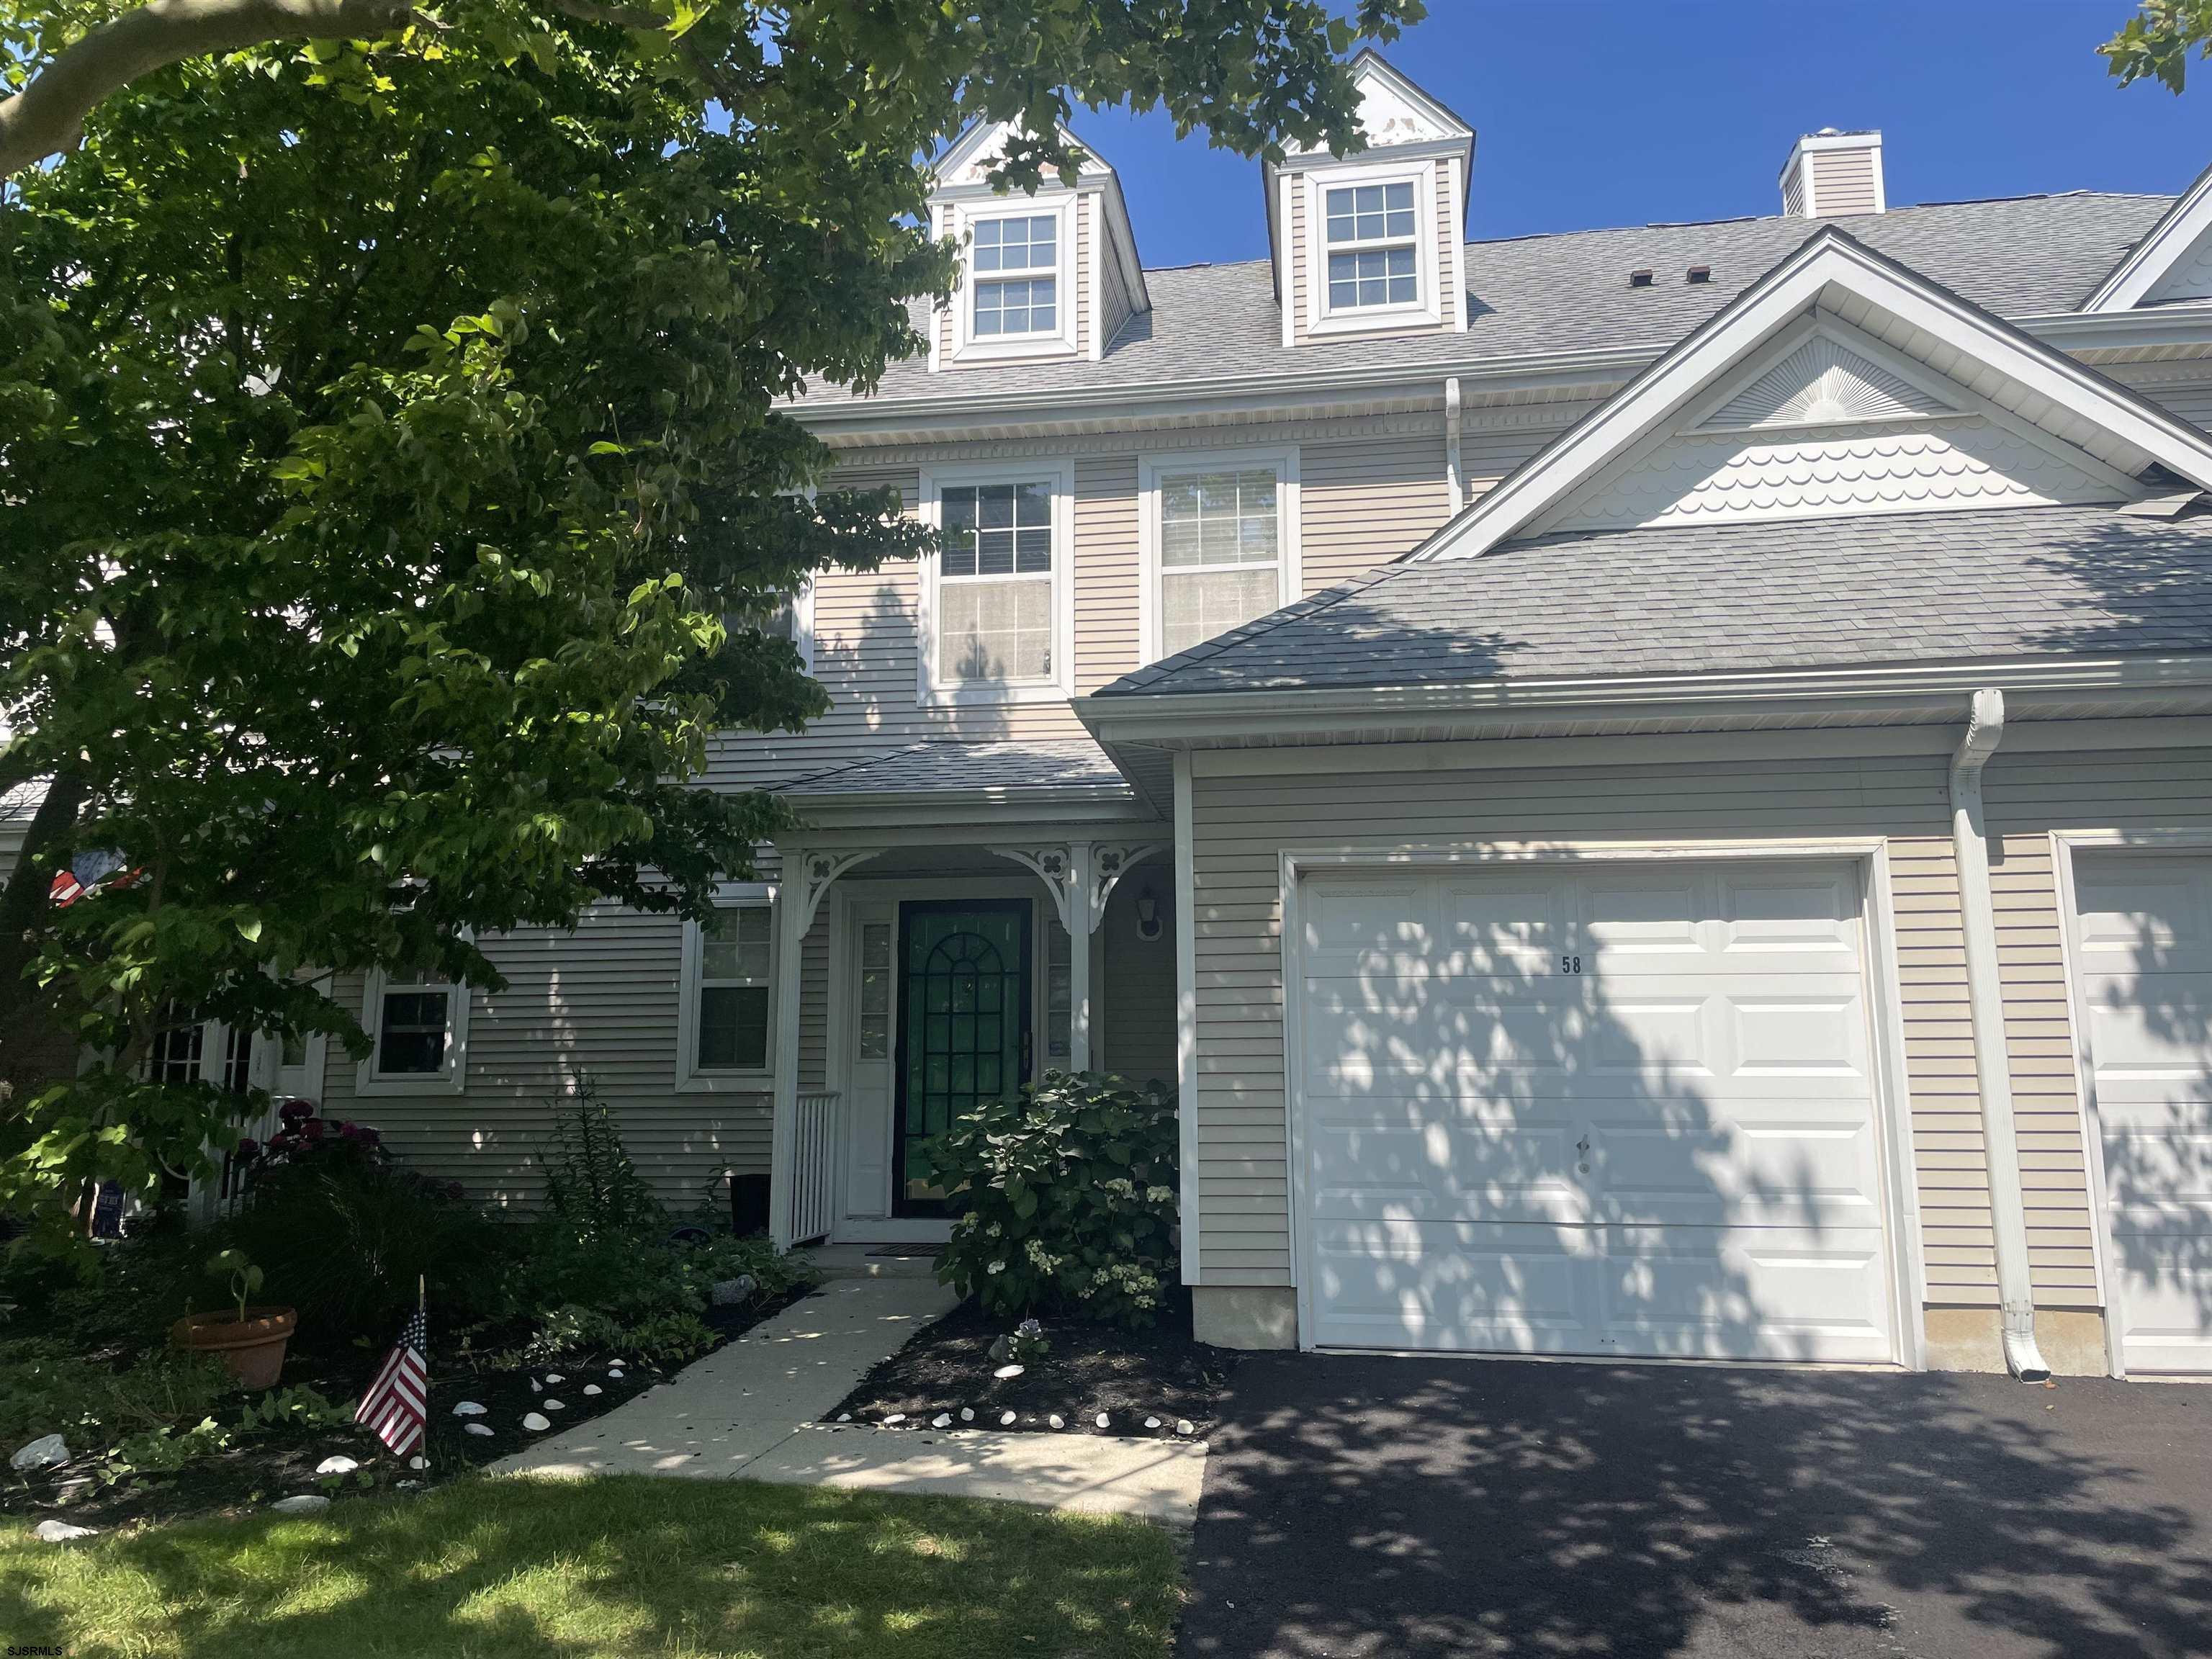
{"x":689,"y":1079}
{"x":1427,"y":307}
{"x":450,"y":1079}
{"x":1152,"y":469}
{"x":1004,"y":347}
{"x":1057,"y":472}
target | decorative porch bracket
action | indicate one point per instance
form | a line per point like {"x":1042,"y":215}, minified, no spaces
{"x":1081,"y":876}
{"x":808,"y":875}
{"x":1110,"y":861}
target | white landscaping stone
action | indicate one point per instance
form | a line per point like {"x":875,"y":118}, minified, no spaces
{"x":467,"y":1408}
{"x":893,"y":1419}
{"x":1103,"y":1420}
{"x":551,"y":1377}
{"x":1151,"y":1422}
{"x":731,"y":1292}
{"x":1007,"y":1421}
{"x":42,"y":1453}
{"x":479,"y":1428}
{"x":1057,"y":1421}
{"x":536,"y":1424}
{"x":553,"y":1405}
{"x":418,"y":1462}
{"x":338,"y":1465}
{"x":61,"y":1531}
{"x":591,"y":1387}
{"x":615,"y":1372}
{"x":1006,"y":1373}
{"x":942,"y":1420}
{"x":535,"y":1387}
{"x":844,"y":1417}
{"x":966,"y":1414}
{"x":1184,"y":1425}
{"x":306,"y":1503}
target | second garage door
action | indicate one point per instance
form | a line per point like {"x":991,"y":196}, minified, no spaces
{"x":1591,"y":1109}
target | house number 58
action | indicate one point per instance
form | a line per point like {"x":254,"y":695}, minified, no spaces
{"x":1570,"y":964}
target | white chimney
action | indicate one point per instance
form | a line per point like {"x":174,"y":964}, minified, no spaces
{"x":1831,"y":172}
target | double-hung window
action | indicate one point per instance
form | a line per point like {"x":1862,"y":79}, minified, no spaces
{"x":994,"y":598}
{"x":417,"y":1033}
{"x":1016,"y":269}
{"x":1373,"y":251}
{"x":725,"y":1031}
{"x":1221,"y":545}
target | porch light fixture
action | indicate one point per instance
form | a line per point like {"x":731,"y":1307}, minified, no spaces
{"x":1148,"y":917}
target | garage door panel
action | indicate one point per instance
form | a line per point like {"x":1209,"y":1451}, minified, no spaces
{"x":1747,"y":1293}
{"x":1669,"y":1152}
{"x":2143,"y":984}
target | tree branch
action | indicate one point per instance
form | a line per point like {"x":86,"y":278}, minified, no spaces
{"x":48,"y":115}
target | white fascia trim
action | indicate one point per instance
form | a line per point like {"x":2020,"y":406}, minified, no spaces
{"x":1286,"y":285}
{"x":1063,"y":207}
{"x":1060,"y":472}
{"x":689,"y":1080}
{"x":1191,"y":1200}
{"x":1094,"y":298}
{"x":1110,"y":804}
{"x":2149,"y":260}
{"x":1797,"y":286}
{"x":1427,"y":308}
{"x":451,"y":1078}
{"x":1192,"y":716}
{"x":1151,"y":469}
{"x":1459,"y":169}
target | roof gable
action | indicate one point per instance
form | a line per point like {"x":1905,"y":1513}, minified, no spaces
{"x":2038,"y":407}
{"x":2172,"y":261}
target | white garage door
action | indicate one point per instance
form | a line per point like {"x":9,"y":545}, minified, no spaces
{"x":2143,"y":958}
{"x":1595,"y":1109}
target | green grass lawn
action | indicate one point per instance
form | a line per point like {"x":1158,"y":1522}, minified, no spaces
{"x":622,"y":1566}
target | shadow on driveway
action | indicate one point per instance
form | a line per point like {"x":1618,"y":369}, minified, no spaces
{"x":1369,"y":1507}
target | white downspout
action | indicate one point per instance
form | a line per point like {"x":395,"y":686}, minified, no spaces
{"x":1992,"y":1062}
{"x":1455,"y":474}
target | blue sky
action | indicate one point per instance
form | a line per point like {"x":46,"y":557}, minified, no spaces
{"x":1593,"y":112}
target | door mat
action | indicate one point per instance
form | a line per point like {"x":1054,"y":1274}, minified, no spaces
{"x":905,"y":1252}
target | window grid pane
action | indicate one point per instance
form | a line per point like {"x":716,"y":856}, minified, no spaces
{"x":1026,"y":305}
{"x":1370,"y":213}
{"x":1373,"y":276}
{"x":411,"y":1036}
{"x":1026,"y":244}
{"x":994,"y":614}
{"x":736,"y":950}
{"x":1219,"y":519}
{"x":1197,"y":604}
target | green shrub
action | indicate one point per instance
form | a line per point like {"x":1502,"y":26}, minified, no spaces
{"x":45,"y":1389}
{"x":591,"y":1183}
{"x":345,"y":1239}
{"x":1068,"y":1196}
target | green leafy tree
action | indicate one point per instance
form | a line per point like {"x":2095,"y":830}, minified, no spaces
{"x":393,"y":489}
{"x":2158,"y":41}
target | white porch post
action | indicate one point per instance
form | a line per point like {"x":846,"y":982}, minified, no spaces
{"x":790,"y":929}
{"x":1082,"y":922}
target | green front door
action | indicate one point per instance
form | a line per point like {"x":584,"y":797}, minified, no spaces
{"x":964,"y":1029}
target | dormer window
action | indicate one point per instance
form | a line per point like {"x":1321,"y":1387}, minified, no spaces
{"x":1006,"y":304}
{"x":1371,"y":251}
{"x":1371,"y":230}
{"x":1017,"y":294}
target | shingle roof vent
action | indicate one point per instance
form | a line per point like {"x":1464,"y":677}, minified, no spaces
{"x":1639,"y":278}
{"x":1831,"y":172}
{"x":1699,"y":274}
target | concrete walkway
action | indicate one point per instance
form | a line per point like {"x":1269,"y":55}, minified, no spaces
{"x":751,"y":1411}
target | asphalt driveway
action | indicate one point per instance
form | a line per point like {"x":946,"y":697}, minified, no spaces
{"x":1358,"y":1507}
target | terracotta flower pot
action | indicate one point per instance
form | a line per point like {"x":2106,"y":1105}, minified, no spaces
{"x":253,"y":1347}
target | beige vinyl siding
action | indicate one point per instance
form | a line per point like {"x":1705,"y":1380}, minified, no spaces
{"x":1114,"y":297}
{"x":1243,"y":824}
{"x":1447,"y":231}
{"x":1363,"y":504}
{"x":1085,"y":217}
{"x":1492,"y":444}
{"x":1842,"y":181}
{"x":601,"y":1003}
{"x":2028,"y":796}
{"x":1138,"y":997}
{"x":1300,"y":261}
{"x":1106,"y":569}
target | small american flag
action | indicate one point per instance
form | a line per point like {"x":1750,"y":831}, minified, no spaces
{"x":397,"y":1404}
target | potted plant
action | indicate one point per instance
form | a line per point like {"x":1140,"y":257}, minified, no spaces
{"x":250,"y":1342}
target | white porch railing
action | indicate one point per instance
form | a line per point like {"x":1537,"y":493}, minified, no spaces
{"x":814,"y":1166}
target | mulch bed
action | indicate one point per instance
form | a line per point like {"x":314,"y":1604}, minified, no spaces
{"x":1131,"y":1375}
{"x":267,"y":1465}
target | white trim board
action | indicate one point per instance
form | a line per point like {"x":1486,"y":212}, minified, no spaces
{"x":1829,"y":278}
{"x":2163,"y":247}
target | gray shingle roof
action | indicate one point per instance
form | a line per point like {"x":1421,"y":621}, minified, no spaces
{"x":1797,"y":593}
{"x":929,"y":767}
{"x":2024,"y":256}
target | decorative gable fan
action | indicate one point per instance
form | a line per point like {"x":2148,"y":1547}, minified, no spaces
{"x":1822,"y":383}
